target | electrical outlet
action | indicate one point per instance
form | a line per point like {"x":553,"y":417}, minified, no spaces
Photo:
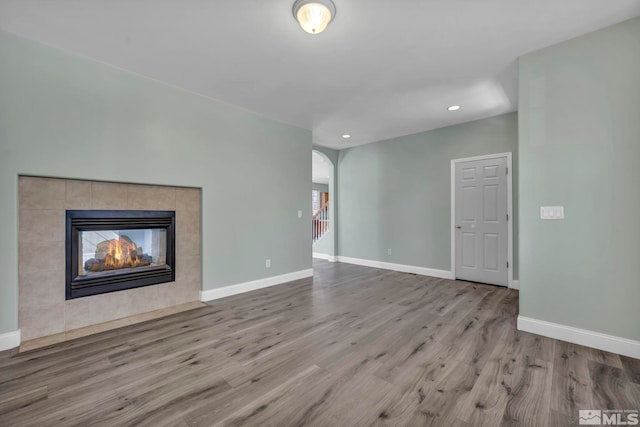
{"x":299,"y":214}
{"x":389,"y":251}
{"x":267,"y":263}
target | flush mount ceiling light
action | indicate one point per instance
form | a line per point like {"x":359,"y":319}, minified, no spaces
{"x":454,"y":108}
{"x":346,"y":136}
{"x":314,"y":15}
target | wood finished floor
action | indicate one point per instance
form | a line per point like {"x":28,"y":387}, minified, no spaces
{"x":355,"y":346}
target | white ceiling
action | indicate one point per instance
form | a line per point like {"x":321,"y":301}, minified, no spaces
{"x":382,"y":69}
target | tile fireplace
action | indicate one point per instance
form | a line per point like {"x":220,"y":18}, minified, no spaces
{"x":44,"y":308}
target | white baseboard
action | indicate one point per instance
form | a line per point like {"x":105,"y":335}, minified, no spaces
{"x":515,"y":284}
{"x":618,"y":345}
{"x":325,"y":257}
{"x":397,"y":267}
{"x":10,"y":340}
{"x":240,"y":288}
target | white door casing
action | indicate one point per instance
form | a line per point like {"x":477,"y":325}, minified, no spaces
{"x":481,"y":219}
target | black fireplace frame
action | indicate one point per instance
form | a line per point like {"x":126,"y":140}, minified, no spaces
{"x":96,"y":220}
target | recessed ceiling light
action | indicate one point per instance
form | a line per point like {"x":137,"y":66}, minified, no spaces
{"x":346,"y":136}
{"x":453,"y":108}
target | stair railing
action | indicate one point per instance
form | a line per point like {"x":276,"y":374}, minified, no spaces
{"x":320,"y":222}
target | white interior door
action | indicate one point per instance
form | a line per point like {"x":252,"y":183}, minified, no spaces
{"x":481,"y":222}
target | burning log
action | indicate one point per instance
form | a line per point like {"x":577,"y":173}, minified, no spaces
{"x":116,"y":254}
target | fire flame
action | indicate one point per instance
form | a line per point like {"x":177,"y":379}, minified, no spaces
{"x":119,"y":254}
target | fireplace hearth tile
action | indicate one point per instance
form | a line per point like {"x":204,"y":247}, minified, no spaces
{"x":167,"y":293}
{"x":188,"y":199}
{"x":42,"y":225}
{"x":187,"y":244}
{"x":150,"y":197}
{"x":40,"y":342}
{"x":39,"y":288}
{"x":187,"y":222}
{"x":178,"y":292}
{"x":101,"y":308}
{"x":144,"y":299}
{"x":184,"y":292}
{"x":188,"y":268}
{"x":78,"y":195}
{"x":41,"y":193}
{"x":41,"y":256}
{"x":107,"y":196}
{"x":41,"y":321}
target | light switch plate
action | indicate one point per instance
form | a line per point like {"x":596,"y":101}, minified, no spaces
{"x":551,"y":212}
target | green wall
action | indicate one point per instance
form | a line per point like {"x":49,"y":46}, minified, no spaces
{"x":323,"y":188}
{"x":65,"y":116}
{"x":580,"y":147}
{"x":331,"y":154}
{"x":397,"y":193}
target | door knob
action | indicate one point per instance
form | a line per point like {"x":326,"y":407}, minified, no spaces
{"x":458,"y":227}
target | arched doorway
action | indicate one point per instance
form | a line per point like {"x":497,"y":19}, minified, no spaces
{"x":323,"y":207}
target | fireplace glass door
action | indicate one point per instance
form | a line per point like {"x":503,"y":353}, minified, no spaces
{"x":121,"y":251}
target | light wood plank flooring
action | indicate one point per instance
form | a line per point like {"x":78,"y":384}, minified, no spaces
{"x":355,"y":346}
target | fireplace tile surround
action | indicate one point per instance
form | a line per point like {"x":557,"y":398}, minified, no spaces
{"x":43,"y":310}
